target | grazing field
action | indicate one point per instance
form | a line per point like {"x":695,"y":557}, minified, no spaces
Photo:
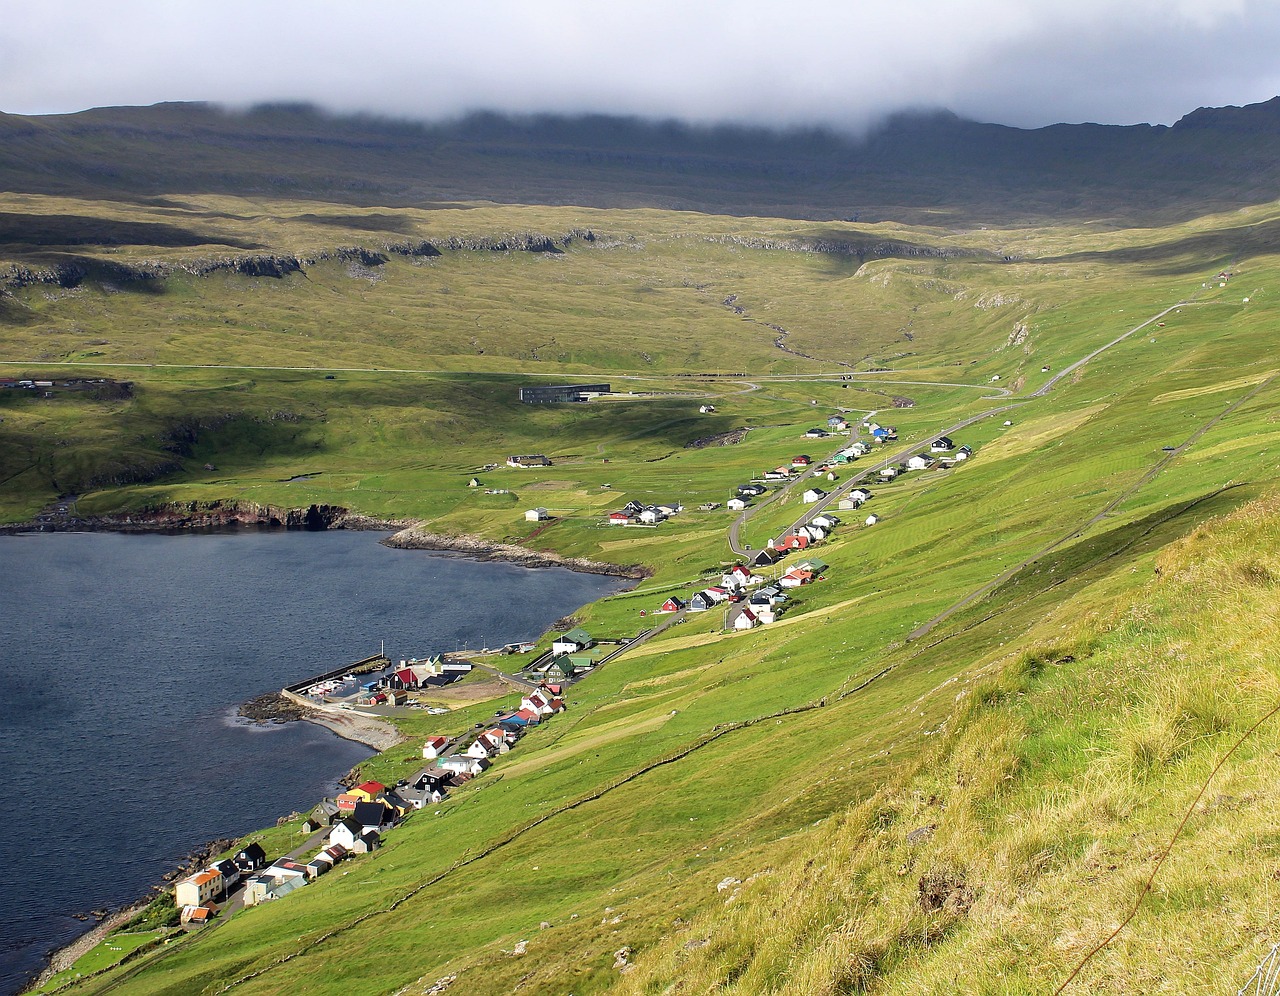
{"x":825,"y":804}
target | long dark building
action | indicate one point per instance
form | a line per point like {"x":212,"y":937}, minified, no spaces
{"x":560,"y":393}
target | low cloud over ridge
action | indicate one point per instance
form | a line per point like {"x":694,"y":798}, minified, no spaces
{"x":804,"y":63}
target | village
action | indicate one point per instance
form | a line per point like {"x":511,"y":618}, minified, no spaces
{"x":753,"y":593}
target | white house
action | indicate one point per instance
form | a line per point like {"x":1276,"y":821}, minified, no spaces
{"x":671,"y":509}
{"x":745,"y":619}
{"x":652,"y":516}
{"x":459,"y":764}
{"x":736,"y":504}
{"x":845,"y":504}
{"x":888,"y":473}
{"x":536,"y":515}
{"x":872,"y":519}
{"x":765,"y":614}
{"x":572,"y":642}
{"x":825,"y":521}
{"x":813,"y":494}
{"x":434,"y":747}
{"x":919,"y":462}
{"x":707,"y":409}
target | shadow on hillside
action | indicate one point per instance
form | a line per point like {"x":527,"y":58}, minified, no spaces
{"x":47,"y":230}
{"x":1193,"y":254}
{"x":368,"y":222}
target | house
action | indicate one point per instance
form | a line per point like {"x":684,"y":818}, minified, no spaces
{"x":572,"y":642}
{"x":794,"y":541}
{"x":736,"y":505}
{"x":718,"y":592}
{"x":963,"y":453}
{"x":745,"y":619}
{"x":434,"y":747}
{"x":369,"y":841}
{"x":200,"y":888}
{"x":318,"y":865}
{"x":846,"y":504}
{"x":536,"y":515}
{"x":230,"y":873}
{"x":827,"y":522}
{"x":708,"y":506}
{"x":778,"y":474}
{"x":669,"y":509}
{"x":346,"y":832}
{"x":461,"y":764}
{"x":250,"y":858}
{"x":766,"y":614}
{"x":837,"y":422}
{"x":405,"y":678}
{"x":795,"y":577}
{"x":751,"y":490}
{"x":880,"y":435}
{"x":474,"y":482}
{"x":919,"y":462}
{"x":347,"y":803}
{"x":765,"y":558}
{"x":815,"y":533}
{"x":803,"y":460}
{"x":672,"y":604}
{"x":484,"y":749}
{"x":738,"y":577}
{"x":702,"y":601}
{"x":397,"y":697}
{"x":942,"y":444}
{"x":325,"y":814}
{"x":633,"y":508}
{"x":371,"y":815}
{"x":770,"y":595}
{"x":706,"y":409}
{"x":813,"y":494}
{"x":872,"y":519}
{"x":816,"y":433}
{"x":528,"y":460}
{"x":888,"y":473}
{"x":859,"y":449}
{"x":651,"y":515}
{"x":619,"y":518}
{"x":197,"y":916}
{"x":368,"y":791}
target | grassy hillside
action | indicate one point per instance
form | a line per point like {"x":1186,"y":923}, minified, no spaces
{"x":888,"y":805}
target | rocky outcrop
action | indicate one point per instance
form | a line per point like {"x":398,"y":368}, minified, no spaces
{"x":478,"y":548}
{"x":210,"y":515}
{"x":879,"y":249}
{"x":272,"y":708}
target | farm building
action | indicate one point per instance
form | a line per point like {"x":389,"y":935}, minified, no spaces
{"x":561,"y":393}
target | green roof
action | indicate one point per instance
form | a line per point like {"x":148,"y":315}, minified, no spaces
{"x":578,"y":635}
{"x":816,"y":565}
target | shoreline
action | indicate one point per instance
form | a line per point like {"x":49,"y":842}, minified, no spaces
{"x":416,"y":537}
{"x":217,"y":516}
{"x":62,"y":958}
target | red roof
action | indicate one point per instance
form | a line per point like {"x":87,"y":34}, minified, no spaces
{"x":437,"y":741}
{"x":557,"y":703}
{"x":406,"y":675}
{"x":527,"y":714}
{"x":553,"y":689}
{"x":373,"y":788}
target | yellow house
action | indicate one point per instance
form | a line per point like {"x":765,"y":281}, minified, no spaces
{"x":369,"y":791}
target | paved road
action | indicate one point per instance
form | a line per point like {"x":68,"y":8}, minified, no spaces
{"x":735,"y":543}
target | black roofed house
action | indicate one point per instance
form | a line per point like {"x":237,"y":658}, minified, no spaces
{"x":942,"y":444}
{"x":250,"y":858}
{"x":370,"y":840}
{"x":370,"y":815}
{"x":765,"y":558}
{"x":702,"y":601}
{"x":230,"y":873}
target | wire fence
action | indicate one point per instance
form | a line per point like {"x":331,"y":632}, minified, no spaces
{"x":1266,"y":980}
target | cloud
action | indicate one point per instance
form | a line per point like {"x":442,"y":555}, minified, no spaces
{"x":805,"y":62}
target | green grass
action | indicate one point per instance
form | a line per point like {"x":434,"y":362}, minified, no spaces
{"x":1049,"y":729}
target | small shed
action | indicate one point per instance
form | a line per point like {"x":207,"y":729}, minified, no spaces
{"x":536,"y":515}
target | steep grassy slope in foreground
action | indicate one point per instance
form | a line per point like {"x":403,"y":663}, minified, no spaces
{"x":1048,"y":807}
{"x":804,"y":753}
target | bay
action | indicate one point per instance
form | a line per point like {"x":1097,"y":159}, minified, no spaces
{"x":122,"y":662}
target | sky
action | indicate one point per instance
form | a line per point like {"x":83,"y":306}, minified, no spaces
{"x":837,"y":63}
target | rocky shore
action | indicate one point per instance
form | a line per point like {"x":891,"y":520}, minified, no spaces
{"x":202,"y":515}
{"x":478,"y":548}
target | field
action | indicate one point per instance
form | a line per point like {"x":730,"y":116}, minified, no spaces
{"x":893,"y":788}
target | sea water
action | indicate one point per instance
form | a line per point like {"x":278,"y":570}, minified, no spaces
{"x":122,"y":662}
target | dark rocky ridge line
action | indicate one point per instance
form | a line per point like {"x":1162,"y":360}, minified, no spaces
{"x":70,"y":273}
